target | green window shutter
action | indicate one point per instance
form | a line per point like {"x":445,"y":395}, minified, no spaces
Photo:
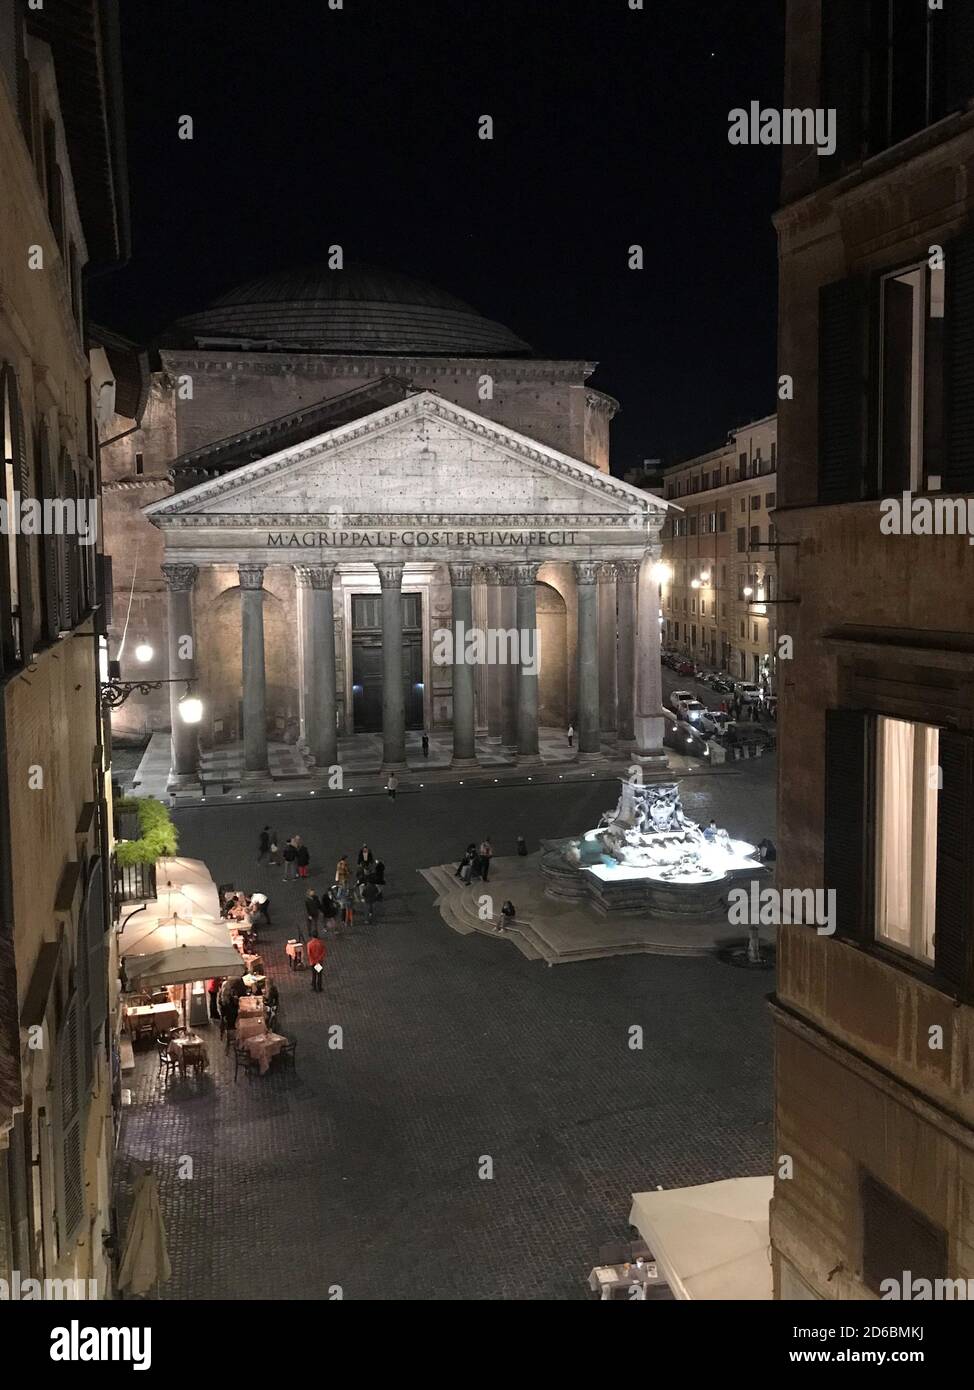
{"x":954,"y":935}
{"x":847,"y":803}
{"x":842,"y":394}
{"x":959,"y":365}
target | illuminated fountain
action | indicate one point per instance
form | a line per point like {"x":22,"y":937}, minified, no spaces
{"x":649,"y":856}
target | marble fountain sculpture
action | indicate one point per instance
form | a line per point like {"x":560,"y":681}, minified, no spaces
{"x":649,"y":856}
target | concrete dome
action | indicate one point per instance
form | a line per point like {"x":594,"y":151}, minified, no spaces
{"x":356,"y":310}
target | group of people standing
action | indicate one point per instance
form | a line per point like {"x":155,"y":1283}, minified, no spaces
{"x":334,"y":910}
{"x":294,"y":855}
{"x":476,"y":861}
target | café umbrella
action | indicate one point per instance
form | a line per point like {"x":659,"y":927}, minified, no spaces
{"x":145,"y":1259}
{"x":177,"y":951}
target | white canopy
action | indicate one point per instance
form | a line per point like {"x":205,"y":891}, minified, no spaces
{"x":184,"y":886}
{"x":181,"y":965}
{"x":712,"y":1241}
{"x":147,"y":935}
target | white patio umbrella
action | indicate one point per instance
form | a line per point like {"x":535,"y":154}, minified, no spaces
{"x":145,"y":1259}
{"x":145,"y":935}
{"x":181,"y":965}
{"x":711,"y":1241}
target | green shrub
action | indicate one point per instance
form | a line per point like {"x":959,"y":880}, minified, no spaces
{"x":159,"y":838}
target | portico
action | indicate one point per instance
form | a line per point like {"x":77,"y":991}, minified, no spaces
{"x":342,"y":573}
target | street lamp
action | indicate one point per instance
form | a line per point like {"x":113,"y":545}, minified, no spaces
{"x":144,"y":653}
{"x":694,"y":583}
{"x":114,"y":692}
{"x":705,"y":577}
{"x":662,"y":572}
{"x":190,"y":708}
{"x":748,"y":591}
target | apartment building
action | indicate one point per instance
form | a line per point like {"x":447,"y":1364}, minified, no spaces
{"x":63,"y":207}
{"x":874,"y":1025}
{"x":719,"y":606}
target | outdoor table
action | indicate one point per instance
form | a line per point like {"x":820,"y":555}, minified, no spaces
{"x":189,"y":1050}
{"x":608,"y":1278}
{"x":161,"y":1016}
{"x":295,"y":951}
{"x":249,"y":962}
{"x":251,"y":1004}
{"x":263,"y":1047}
{"x":249,"y":1026}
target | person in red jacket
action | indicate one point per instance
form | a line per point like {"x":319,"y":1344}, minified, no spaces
{"x":316,"y":958}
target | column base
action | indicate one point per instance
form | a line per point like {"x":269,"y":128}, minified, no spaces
{"x":182,"y":781}
{"x":464,"y":764}
{"x":529,"y":760}
{"x":254,"y":774}
{"x":397,"y":768}
{"x":659,"y":760}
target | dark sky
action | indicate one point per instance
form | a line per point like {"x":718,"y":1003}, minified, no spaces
{"x":359,"y":127}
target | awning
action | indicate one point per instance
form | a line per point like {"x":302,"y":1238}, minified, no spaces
{"x":147,"y":935}
{"x":181,"y":965}
{"x":710,"y":1242}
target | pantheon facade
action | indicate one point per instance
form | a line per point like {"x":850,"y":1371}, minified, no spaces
{"x":335,"y":468}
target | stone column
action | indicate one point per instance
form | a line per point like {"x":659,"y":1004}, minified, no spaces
{"x":627,"y":576}
{"x":527,"y":673}
{"x":254,"y":674}
{"x":317,"y":632}
{"x":464,"y":745}
{"x":607,"y":650}
{"x":393,"y":694}
{"x":507,"y":621}
{"x":180,"y":581}
{"x":587,"y":720}
{"x":494,"y":579}
{"x":649,"y":681}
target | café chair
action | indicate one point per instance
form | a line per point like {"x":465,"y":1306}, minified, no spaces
{"x":242,"y":1058}
{"x":288,"y":1053}
{"x":167,"y":1066}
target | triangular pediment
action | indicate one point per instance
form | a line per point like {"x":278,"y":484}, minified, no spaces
{"x":420,"y":455}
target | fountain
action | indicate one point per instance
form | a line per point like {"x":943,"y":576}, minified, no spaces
{"x":647,"y":855}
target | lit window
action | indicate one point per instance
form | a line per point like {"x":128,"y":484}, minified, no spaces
{"x":907,"y":778}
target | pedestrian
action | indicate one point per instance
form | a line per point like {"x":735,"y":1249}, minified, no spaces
{"x":263,"y":844}
{"x":304,"y":858}
{"x":213,"y":990}
{"x":290,"y":855}
{"x":379,"y":874}
{"x":316,"y":959}
{"x":312,"y":908}
{"x":522,"y":848}
{"x":329,"y":912}
{"x":370,"y":896}
{"x":272,"y":1003}
{"x":486,"y":854}
{"x":508,"y":913}
{"x":426,"y":744}
{"x":275,"y":850}
{"x":342,"y":871}
{"x":571,"y":736}
{"x":392,"y":785}
{"x":346,"y":906}
{"x":366,"y":858}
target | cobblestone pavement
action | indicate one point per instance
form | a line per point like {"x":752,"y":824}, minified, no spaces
{"x":362,"y":1169}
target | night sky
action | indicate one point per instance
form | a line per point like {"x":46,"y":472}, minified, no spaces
{"x":359,"y":127}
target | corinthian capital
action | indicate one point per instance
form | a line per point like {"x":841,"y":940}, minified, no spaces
{"x":627,"y":569}
{"x":314,"y":576}
{"x":525,"y":573}
{"x":390,"y":573}
{"x":179,"y":578}
{"x":251,"y":576}
{"x":586,"y":571}
{"x":461,"y":573}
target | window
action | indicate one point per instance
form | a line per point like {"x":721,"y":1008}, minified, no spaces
{"x":743,"y":504}
{"x":907,"y":774}
{"x":754,"y":632}
{"x":723,"y":576}
{"x":900,"y":64}
{"x":769,"y":500}
{"x":723,"y":521}
{"x":715,"y":478}
{"x":55,"y":188}
{"x":774,"y":456}
{"x":139,"y":464}
{"x":743,"y":630}
{"x":712,"y":523}
{"x":896,"y":1237}
{"x":693,"y":526}
{"x":911,"y":371}
{"x":723,"y":613}
{"x":703,"y":608}
{"x":771,"y":535}
{"x":755,"y":502}
{"x":741,"y":540}
{"x":742,"y":465}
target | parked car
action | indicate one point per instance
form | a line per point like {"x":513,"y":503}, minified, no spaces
{"x":678,"y":696}
{"x":750,"y":694}
{"x":691,"y":710}
{"x":683,"y":738}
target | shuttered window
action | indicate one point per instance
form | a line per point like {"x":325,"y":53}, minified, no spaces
{"x":847,"y":763}
{"x":70,"y":1127}
{"x":51,"y":601}
{"x":959,"y":365}
{"x":16,"y":550}
{"x":842,"y":387}
{"x":954,"y":935}
{"x":843,"y":60}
